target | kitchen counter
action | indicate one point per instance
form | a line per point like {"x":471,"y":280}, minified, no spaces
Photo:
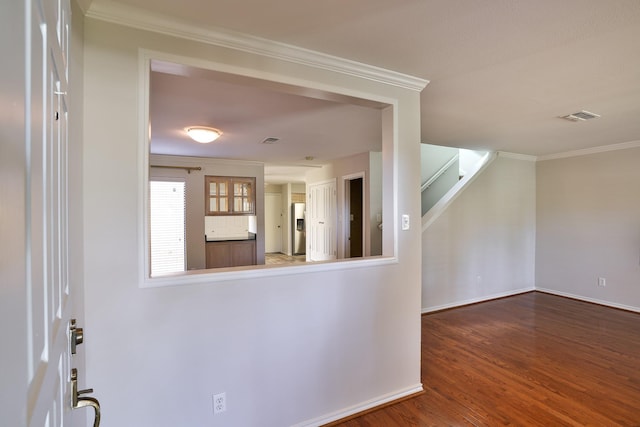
{"x":249,"y":236}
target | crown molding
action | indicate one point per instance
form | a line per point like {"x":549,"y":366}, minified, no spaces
{"x":593,"y":150}
{"x":573,"y":153}
{"x":517,"y":156}
{"x":133,"y":17}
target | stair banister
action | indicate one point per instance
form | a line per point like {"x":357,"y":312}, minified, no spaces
{"x":440,"y":171}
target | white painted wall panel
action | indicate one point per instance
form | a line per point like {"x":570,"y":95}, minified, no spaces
{"x":483,"y":245}
{"x":589,"y":227}
{"x":285,"y":349}
{"x":433,"y":157}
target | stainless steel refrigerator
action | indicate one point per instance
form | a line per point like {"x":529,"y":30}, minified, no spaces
{"x":298,"y":229}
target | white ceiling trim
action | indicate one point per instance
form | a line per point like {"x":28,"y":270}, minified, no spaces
{"x":593,"y":150}
{"x":517,"y":156}
{"x":137,"y":18}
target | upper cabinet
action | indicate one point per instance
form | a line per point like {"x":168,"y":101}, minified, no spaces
{"x":229,"y":195}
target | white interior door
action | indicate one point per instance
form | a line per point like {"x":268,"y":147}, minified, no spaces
{"x":321,"y":221}
{"x":49,"y":302}
{"x":273,"y":222}
{"x":35,"y":225}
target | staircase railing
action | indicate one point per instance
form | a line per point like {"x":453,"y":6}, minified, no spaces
{"x":439,"y":173}
{"x":440,"y":206}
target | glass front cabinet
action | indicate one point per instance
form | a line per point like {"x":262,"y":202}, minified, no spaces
{"x":229,"y":195}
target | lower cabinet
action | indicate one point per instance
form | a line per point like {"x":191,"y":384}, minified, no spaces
{"x":232,"y":253}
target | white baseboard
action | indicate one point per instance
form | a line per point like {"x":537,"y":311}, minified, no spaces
{"x":478,"y":299}
{"x":587,"y":299}
{"x":351,"y":410}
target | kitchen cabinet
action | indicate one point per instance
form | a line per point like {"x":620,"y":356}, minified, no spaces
{"x":230,"y":253}
{"x":227,"y":195}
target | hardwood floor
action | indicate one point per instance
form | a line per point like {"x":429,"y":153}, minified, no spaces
{"x":529,"y":360}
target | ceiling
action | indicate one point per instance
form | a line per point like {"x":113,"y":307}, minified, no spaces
{"x":501,"y":72}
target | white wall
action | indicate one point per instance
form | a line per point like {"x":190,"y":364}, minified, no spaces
{"x":469,"y":159}
{"x":286,"y":348}
{"x":375,"y":204}
{"x":14,"y":317}
{"x":433,"y":157}
{"x":483,"y":245}
{"x":588,"y":226}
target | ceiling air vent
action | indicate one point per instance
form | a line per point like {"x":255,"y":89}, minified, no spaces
{"x":580,"y":116}
{"x":270,"y":140}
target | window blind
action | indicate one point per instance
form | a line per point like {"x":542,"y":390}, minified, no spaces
{"x":167,"y":226}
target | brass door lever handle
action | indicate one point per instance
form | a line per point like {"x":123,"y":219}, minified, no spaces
{"x":83,"y":402}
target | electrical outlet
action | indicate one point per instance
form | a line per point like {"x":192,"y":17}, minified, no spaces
{"x":602,"y":281}
{"x":219,"y":402}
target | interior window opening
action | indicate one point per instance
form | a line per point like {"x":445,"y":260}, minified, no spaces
{"x":269,"y":188}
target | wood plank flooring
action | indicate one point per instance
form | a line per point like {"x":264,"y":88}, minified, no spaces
{"x":529,"y":360}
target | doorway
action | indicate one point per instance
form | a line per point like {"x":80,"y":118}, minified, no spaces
{"x":273,"y":222}
{"x":354,"y":216}
{"x":321,"y":222}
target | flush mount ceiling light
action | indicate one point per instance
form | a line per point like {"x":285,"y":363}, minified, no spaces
{"x":580,"y":116}
{"x":203,"y":134}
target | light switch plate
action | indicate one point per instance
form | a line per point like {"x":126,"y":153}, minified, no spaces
{"x":405,"y":222}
